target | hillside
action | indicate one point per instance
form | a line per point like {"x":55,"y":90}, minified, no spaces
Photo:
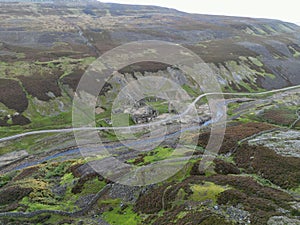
{"x":45,"y":48}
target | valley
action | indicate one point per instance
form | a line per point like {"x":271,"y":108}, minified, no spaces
{"x":147,"y":171}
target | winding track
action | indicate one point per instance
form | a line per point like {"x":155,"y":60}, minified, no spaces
{"x":67,"y":130}
{"x":98,"y":195}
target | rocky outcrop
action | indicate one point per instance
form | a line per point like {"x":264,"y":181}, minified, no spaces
{"x":283,"y":220}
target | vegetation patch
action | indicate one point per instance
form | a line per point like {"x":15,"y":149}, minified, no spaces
{"x":13,"y":194}
{"x":151,"y":202}
{"x":234,"y":134}
{"x":142,"y":67}
{"x":206,"y":191}
{"x":155,"y":155}
{"x":280,"y":170}
{"x":122,"y":216}
{"x":222,"y":167}
{"x":12,"y":95}
{"x":42,"y":86}
{"x":281,"y":115}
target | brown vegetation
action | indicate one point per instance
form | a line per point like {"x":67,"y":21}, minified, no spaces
{"x":283,"y":171}
{"x":13,"y":194}
{"x":73,"y":79}
{"x":12,"y":95}
{"x":234,"y":134}
{"x":222,"y":167}
{"x":143,"y":67}
{"x":38,"y":85}
{"x":20,"y":120}
{"x":280,"y":116}
{"x":30,"y":171}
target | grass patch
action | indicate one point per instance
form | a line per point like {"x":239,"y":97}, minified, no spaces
{"x":158,"y":154}
{"x":56,"y":169}
{"x":124,"y":217}
{"x":161,"y":106}
{"x":207,"y":191}
{"x":92,"y":186}
{"x":4,"y":179}
{"x":26,"y":143}
{"x":190,"y":91}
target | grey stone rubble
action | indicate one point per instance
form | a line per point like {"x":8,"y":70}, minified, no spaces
{"x":283,"y":220}
{"x":285,"y":143}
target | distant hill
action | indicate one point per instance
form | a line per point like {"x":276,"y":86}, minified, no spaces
{"x":44,"y":49}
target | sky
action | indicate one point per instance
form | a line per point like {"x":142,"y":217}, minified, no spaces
{"x":286,"y":10}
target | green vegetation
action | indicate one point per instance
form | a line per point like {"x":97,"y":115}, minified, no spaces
{"x":53,"y":170}
{"x":296,"y":190}
{"x":4,"y":179}
{"x":260,"y":180}
{"x":256,"y":61}
{"x":92,"y":186}
{"x":122,"y":120}
{"x":34,"y":206}
{"x":207,"y":191}
{"x":190,"y":91}
{"x":281,"y":115}
{"x":296,"y":54}
{"x":46,"y":75}
{"x":118,"y":216}
{"x":158,"y":154}
{"x":160,"y":106}
{"x":67,"y":178}
{"x":28,"y":143}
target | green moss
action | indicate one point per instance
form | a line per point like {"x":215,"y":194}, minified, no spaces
{"x":180,"y":197}
{"x":256,"y":61}
{"x":231,"y":107}
{"x":92,"y":187}
{"x":190,"y":91}
{"x":56,"y":169}
{"x":260,"y":180}
{"x":4,"y":179}
{"x":184,"y":172}
{"x":296,"y":54}
{"x":110,"y":135}
{"x":27,"y":143}
{"x":207,"y":191}
{"x":181,"y":215}
{"x":296,"y":190}
{"x":124,"y":217}
{"x":105,"y":115}
{"x":34,"y":206}
{"x":244,"y":119}
{"x":158,"y":154}
{"x":67,"y":178}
